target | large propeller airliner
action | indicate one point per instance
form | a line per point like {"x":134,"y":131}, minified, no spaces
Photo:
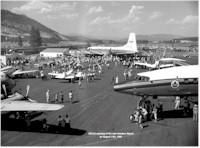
{"x":129,"y":48}
{"x":174,"y":81}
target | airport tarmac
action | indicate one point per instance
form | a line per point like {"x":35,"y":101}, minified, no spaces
{"x":99,"y":117}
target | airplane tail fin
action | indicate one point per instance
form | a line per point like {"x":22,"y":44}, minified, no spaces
{"x":132,"y":42}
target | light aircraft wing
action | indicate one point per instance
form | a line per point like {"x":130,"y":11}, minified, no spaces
{"x":53,"y":74}
{"x":28,"y":106}
{"x":17,"y":72}
{"x":70,"y":77}
{"x":145,"y":64}
{"x":5,"y":69}
{"x":171,"y":60}
{"x":60,"y":76}
{"x":181,"y":63}
{"x":140,"y":64}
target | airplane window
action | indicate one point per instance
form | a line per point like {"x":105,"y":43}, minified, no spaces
{"x":186,"y":80}
{"x":195,"y":80}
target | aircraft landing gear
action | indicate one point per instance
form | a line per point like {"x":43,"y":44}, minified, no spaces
{"x":141,"y":101}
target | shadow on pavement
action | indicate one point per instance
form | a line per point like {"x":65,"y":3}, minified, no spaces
{"x":178,"y":113}
{"x":11,"y":124}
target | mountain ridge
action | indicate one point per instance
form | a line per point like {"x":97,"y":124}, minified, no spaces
{"x":13,"y":25}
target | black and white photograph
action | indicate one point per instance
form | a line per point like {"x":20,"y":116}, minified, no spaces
{"x":99,"y":73}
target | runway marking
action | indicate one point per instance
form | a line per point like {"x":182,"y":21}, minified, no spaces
{"x":94,"y":115}
{"x":102,"y":141}
{"x":84,"y":109}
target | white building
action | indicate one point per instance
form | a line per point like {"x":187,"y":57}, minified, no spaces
{"x":54,"y":52}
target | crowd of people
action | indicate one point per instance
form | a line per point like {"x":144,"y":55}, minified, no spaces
{"x":148,"y":112}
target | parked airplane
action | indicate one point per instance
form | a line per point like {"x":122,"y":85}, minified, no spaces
{"x":14,"y":72}
{"x":129,"y":48}
{"x":162,"y":63}
{"x":17,"y":102}
{"x":69,"y":75}
{"x":174,"y":81}
{"x":8,"y":70}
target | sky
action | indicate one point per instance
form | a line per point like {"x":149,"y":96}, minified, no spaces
{"x":112,"y":18}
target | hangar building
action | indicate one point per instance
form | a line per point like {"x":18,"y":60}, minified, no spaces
{"x":54,"y":52}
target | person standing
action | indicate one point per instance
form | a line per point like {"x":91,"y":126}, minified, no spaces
{"x":28,"y":121}
{"x":60,"y":120}
{"x":47,"y":96}
{"x":67,"y":122}
{"x":44,"y":125}
{"x":155,"y":112}
{"x":177,"y":102}
{"x":195,"y":113}
{"x":56,"y":98}
{"x":117,"y":80}
{"x":112,"y":80}
{"x":125,"y":74}
{"x":61,"y":97}
{"x":186,"y":107}
{"x":71,"y":96}
{"x":144,"y":113}
{"x":140,"y":119}
{"x":79,"y":83}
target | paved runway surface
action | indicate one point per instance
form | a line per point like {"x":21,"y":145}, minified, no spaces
{"x":97,"y":110}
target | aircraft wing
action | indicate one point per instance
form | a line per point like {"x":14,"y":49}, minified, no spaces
{"x":171,"y":59}
{"x":23,"y":72}
{"x":122,"y":53}
{"x":53,"y":74}
{"x":5,"y":69}
{"x":145,"y":64}
{"x":140,"y":64}
{"x":28,"y":106}
{"x":70,"y":77}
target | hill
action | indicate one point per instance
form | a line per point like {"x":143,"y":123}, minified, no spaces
{"x":154,"y":37}
{"x":13,"y":25}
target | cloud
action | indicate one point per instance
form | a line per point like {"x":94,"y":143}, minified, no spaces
{"x":170,"y":21}
{"x":101,"y":20}
{"x":95,"y":10}
{"x":189,"y":19}
{"x":33,"y":6}
{"x":42,"y":8}
{"x":130,"y":17}
{"x":70,"y":16}
{"x":135,"y":10}
{"x":155,"y":14}
{"x":113,"y":4}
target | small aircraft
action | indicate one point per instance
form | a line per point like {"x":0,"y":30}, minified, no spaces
{"x":8,"y":70}
{"x":69,"y":75}
{"x":14,"y":72}
{"x":129,"y":48}
{"x":162,"y":63}
{"x":17,"y":102}
{"x":174,"y":81}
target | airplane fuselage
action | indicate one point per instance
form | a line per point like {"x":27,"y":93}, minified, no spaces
{"x":113,"y":50}
{"x":168,"y":87}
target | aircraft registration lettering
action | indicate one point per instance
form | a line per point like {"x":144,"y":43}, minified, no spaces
{"x":175,"y":84}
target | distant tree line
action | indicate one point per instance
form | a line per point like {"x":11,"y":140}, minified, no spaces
{"x":142,"y":41}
